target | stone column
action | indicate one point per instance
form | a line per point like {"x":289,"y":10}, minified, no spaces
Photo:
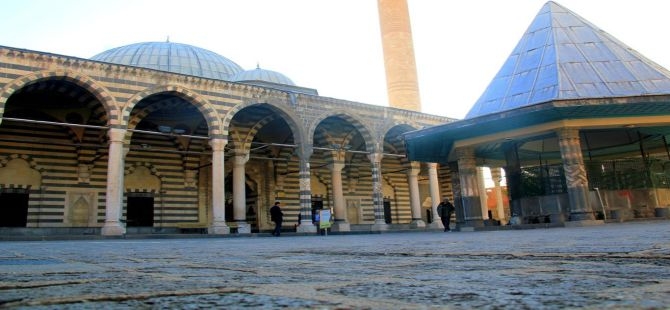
{"x":456,"y":191}
{"x":218,"y":225}
{"x":401,"y":78}
{"x":483,"y":197}
{"x":377,"y":193}
{"x":575,"y":174}
{"x":268,"y":197}
{"x":414,"y":199}
{"x":341,"y":223}
{"x":467,"y":171}
{"x":513,"y":176}
{"x":500,"y":207}
{"x":434,"y":186}
{"x":239,"y":193}
{"x":114,"y":197}
{"x":306,"y":225}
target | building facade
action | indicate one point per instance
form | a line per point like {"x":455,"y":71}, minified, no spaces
{"x":117,"y":144}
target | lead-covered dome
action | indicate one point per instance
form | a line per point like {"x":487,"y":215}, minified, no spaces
{"x":172,"y":57}
{"x":262,"y":75}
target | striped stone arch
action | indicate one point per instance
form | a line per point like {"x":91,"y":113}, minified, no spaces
{"x":110,"y":113}
{"x":142,"y":184}
{"x":33,"y":164}
{"x":131,"y":168}
{"x":410,"y":125}
{"x":244,"y":142}
{"x":403,"y":126}
{"x":21,"y":178}
{"x":137,"y":117}
{"x":366,"y":133}
{"x":203,"y":105}
{"x":288,"y":115}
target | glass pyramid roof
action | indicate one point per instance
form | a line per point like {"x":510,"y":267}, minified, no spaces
{"x":563,"y":56}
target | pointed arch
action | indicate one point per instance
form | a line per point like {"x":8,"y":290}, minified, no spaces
{"x":393,"y":136}
{"x":208,"y":111}
{"x":110,"y":113}
{"x":288,"y":115}
{"x":365,"y":132}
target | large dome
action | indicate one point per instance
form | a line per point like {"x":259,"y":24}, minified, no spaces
{"x":172,"y":57}
{"x":262,"y":75}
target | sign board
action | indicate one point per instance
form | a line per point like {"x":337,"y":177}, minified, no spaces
{"x":324,"y":218}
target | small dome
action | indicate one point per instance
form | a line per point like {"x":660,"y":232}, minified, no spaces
{"x":262,"y":75}
{"x":172,"y":57}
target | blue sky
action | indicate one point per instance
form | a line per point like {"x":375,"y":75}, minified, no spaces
{"x":331,"y":45}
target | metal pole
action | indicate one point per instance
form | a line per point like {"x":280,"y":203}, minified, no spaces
{"x":52,"y":123}
{"x":602,"y":206}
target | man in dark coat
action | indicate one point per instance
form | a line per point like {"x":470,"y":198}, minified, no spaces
{"x":277,"y":216}
{"x":445,"y":209}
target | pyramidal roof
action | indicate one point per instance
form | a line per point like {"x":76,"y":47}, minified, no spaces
{"x":563,"y":56}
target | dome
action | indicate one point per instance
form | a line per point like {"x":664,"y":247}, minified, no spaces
{"x":262,"y":75}
{"x":172,"y":57}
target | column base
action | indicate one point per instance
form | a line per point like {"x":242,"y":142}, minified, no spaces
{"x":113,"y":229}
{"x":306,"y":228}
{"x":340,"y":226}
{"x":583,"y":223}
{"x":417,"y":223}
{"x":379,"y":226}
{"x":218,"y":229}
{"x":436,"y":225}
{"x":515,"y":220}
{"x":243,"y":228}
{"x":474,"y":223}
{"x":582,"y":216}
{"x":662,"y":212}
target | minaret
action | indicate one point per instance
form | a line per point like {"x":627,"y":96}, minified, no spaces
{"x":401,"y":79}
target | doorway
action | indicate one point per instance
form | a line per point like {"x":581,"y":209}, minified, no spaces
{"x":317,"y":206}
{"x":140,"y":211}
{"x":387,"y":211}
{"x":13,"y":209}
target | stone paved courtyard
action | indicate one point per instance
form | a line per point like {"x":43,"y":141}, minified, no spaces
{"x":615,"y":266}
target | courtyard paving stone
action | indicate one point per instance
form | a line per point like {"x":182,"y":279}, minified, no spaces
{"x":615,"y":266}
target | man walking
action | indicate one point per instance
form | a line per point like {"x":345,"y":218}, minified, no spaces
{"x":277,"y":216}
{"x":445,"y":209}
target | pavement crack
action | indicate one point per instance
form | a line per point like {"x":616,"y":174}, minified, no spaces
{"x":121,"y":297}
{"x":34,"y":284}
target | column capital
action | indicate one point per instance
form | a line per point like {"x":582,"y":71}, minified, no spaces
{"x":116,"y":134}
{"x":338,"y":156}
{"x":218,"y":144}
{"x":304,"y":151}
{"x":336,"y":166}
{"x":376,"y":157}
{"x":496,"y":173}
{"x":414,"y":169}
{"x":464,"y":152}
{"x":240,"y":159}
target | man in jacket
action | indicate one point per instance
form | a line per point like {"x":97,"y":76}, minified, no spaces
{"x":277,"y":216}
{"x":445,"y":209}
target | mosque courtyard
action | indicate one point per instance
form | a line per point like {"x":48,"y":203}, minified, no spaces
{"x":616,"y":265}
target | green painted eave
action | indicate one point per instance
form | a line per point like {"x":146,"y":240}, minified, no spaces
{"x":434,"y":144}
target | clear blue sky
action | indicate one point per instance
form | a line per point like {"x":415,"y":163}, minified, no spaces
{"x":331,"y":45}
